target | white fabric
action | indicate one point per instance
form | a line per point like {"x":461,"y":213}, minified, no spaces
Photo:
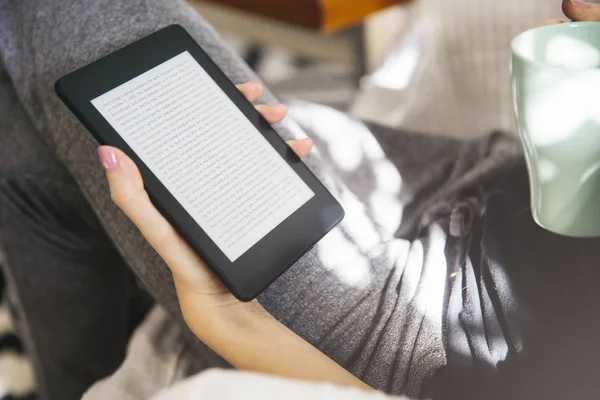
{"x":233,"y":385}
{"x":450,"y":73}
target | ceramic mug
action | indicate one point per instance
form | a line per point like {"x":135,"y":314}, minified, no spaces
{"x":556,"y":91}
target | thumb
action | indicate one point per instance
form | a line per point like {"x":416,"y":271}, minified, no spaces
{"x":580,"y":10}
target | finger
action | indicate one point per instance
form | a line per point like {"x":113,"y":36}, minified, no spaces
{"x":251,"y":90}
{"x":301,"y":147}
{"x":553,"y":21}
{"x":273,"y":113}
{"x":579,"y":10}
{"x":128,"y":193}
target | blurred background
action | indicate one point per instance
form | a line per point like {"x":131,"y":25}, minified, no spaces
{"x":317,"y":51}
{"x":431,"y":66}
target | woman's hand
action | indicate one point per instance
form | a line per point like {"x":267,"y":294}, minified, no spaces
{"x":577,"y":10}
{"x":200,"y":291}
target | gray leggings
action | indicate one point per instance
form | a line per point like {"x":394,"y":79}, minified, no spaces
{"x":371,"y":301}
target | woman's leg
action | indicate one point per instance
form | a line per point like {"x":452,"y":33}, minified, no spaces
{"x":70,"y":287}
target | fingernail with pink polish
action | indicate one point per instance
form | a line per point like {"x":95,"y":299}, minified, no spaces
{"x":107,"y":158}
{"x":581,"y":4}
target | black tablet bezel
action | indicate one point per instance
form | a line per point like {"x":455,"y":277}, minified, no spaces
{"x":253,"y":271}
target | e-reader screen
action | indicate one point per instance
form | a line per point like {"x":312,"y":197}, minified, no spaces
{"x":206,"y":152}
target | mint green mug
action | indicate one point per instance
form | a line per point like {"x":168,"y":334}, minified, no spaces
{"x":556,"y":89}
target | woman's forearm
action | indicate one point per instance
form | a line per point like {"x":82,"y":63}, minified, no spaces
{"x":253,"y":340}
